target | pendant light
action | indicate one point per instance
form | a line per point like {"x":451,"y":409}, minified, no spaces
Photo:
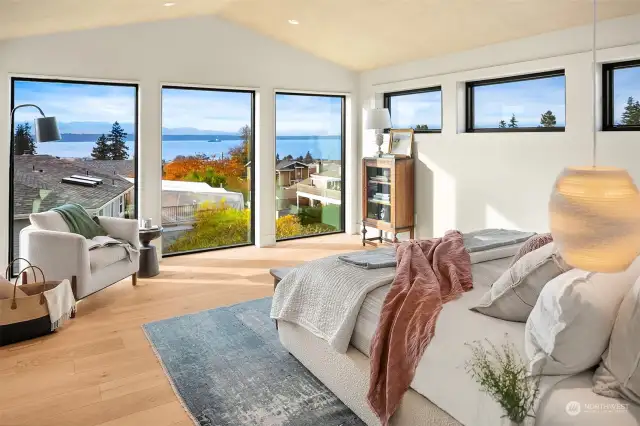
{"x":594,"y":212}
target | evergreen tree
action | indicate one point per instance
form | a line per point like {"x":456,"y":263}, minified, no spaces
{"x":102,"y":149}
{"x":513,"y":123}
{"x":300,"y":158}
{"x":277,"y":157}
{"x":23,"y":140}
{"x":421,"y":127}
{"x":502,"y":124}
{"x":289,"y":157}
{"x":308,"y":159}
{"x":117,"y":138}
{"x":631,"y":114}
{"x":548,"y":119}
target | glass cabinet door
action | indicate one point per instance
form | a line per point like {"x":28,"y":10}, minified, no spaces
{"x":378,"y":193}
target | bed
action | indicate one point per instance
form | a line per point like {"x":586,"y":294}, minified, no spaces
{"x":442,"y":393}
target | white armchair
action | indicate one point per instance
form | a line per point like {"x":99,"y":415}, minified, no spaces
{"x":48,"y":244}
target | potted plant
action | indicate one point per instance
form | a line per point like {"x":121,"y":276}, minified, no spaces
{"x":502,"y":374}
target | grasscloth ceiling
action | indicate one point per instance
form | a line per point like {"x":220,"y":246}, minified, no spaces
{"x":358,"y":34}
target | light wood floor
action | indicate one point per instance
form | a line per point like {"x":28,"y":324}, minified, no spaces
{"x":100,"y":370}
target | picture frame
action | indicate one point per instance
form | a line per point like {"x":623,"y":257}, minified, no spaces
{"x":400,"y":142}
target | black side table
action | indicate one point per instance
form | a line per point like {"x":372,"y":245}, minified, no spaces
{"x":148,"y":256}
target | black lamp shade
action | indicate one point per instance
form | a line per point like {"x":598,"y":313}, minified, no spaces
{"x":47,"y":129}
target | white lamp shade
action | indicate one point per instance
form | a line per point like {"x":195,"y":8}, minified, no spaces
{"x":378,"y":118}
{"x":594,"y":216}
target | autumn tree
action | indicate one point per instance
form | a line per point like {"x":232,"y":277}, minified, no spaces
{"x":548,"y":119}
{"x":101,"y":150}
{"x":23,"y":142}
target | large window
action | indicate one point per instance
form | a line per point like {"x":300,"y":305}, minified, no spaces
{"x":207,"y":181}
{"x":420,"y":110}
{"x":309,"y":164}
{"x":621,"y":95}
{"x":528,"y":103}
{"x":98,"y":125}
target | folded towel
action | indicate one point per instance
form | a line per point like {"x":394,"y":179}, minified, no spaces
{"x":61,"y":303}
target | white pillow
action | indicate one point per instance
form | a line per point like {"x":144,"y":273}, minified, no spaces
{"x":570,"y":325}
{"x":619,"y":373}
{"x":49,"y":221}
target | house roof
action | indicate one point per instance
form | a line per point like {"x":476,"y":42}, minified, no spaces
{"x":39,"y":177}
{"x":289,"y":164}
{"x":329,"y":174}
{"x":124,"y":168}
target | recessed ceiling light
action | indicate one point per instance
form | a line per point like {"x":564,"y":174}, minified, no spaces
{"x":293,"y":21}
{"x":169,"y":4}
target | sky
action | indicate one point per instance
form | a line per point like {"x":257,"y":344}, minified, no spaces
{"x":528,"y":100}
{"x":200,"y":109}
{"x":418,"y":108}
{"x":626,"y":82}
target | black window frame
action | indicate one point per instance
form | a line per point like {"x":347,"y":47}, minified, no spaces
{"x":342,"y":157}
{"x":387,"y":104}
{"x":608,"y":95}
{"x":470,"y":104}
{"x":136,"y":148}
{"x":252,"y":158}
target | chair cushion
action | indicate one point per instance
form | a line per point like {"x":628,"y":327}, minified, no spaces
{"x":102,"y":257}
{"x":49,"y":221}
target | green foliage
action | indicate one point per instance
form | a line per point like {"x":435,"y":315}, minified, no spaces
{"x":502,"y":124}
{"x":209,"y":176}
{"x":117,"y":138}
{"x":277,"y":157}
{"x":101,"y":150}
{"x":23,"y":140}
{"x":288,"y":157}
{"x":513,"y":123}
{"x":308,"y":159}
{"x":503,"y":375}
{"x":548,"y":119}
{"x":631,"y":114}
{"x":421,"y":127}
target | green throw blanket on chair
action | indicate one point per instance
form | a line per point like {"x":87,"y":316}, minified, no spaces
{"x":79,"y":221}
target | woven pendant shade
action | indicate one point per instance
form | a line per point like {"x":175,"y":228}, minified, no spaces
{"x":595,"y":218}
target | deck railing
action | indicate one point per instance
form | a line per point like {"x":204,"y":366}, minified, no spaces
{"x":320,"y":192}
{"x":179,"y":214}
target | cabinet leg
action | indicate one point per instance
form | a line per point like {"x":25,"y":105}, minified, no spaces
{"x":411,"y":234}
{"x":364,"y":235}
{"x":395,"y":237}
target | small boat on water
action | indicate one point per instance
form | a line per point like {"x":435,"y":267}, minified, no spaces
{"x":214,"y":140}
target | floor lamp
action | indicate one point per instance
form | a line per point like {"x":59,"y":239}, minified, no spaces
{"x":46,"y":127}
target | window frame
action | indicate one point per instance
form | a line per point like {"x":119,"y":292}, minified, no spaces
{"x":343,"y":151}
{"x":387,"y":103}
{"x":608,"y":95}
{"x":136,"y":146}
{"x":252,"y":158}
{"x":470,"y":104}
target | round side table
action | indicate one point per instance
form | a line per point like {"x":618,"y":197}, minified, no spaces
{"x":148,"y":256}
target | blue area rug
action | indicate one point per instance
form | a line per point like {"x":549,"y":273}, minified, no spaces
{"x":229,"y":368}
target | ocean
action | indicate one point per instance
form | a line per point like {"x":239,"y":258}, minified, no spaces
{"x":328,"y":148}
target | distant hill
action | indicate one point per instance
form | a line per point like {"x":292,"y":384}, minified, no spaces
{"x":100,"y":127}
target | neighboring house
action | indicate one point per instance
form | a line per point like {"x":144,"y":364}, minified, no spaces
{"x":42,"y":182}
{"x":289,"y":172}
{"x":322,"y":188}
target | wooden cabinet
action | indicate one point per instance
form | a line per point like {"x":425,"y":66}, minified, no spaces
{"x":387,"y":197}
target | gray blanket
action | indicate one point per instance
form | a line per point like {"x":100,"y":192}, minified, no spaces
{"x":485,"y":239}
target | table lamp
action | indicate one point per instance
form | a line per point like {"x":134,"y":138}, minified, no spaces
{"x":378,"y":119}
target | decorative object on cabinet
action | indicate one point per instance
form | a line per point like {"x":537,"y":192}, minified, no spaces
{"x":378,"y":119}
{"x":401,"y":142}
{"x":387,"y":197}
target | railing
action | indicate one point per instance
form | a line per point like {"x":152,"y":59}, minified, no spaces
{"x":314,"y":190}
{"x":179,"y":214}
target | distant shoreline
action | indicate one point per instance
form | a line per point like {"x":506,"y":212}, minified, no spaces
{"x":88,"y":137}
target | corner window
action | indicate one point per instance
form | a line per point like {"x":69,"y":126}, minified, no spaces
{"x":420,"y":110}
{"x":526,"y":103}
{"x":621,"y":96}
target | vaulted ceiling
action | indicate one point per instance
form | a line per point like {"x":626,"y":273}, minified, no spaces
{"x":358,"y":34}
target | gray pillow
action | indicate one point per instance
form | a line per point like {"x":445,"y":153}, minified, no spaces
{"x":619,"y":373}
{"x":514,"y":294}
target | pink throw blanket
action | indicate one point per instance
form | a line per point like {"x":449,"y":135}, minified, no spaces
{"x":429,"y":273}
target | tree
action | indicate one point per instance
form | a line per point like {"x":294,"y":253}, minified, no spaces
{"x":631,"y":114}
{"x":209,"y":176}
{"x":548,"y":119}
{"x":288,"y":157}
{"x":23,"y":140}
{"x":308,"y":159}
{"x":117,"y":139}
{"x":102,"y":149}
{"x":277,"y":157}
{"x":300,"y":158}
{"x":502,"y":124}
{"x":421,"y":127}
{"x":513,"y":123}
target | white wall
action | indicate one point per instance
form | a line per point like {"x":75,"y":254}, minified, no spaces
{"x":475,"y":180}
{"x":204,"y":51}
